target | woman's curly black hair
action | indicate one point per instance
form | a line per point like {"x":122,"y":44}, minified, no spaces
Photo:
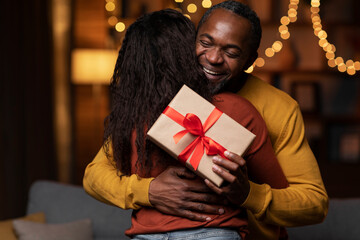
{"x":156,"y":58}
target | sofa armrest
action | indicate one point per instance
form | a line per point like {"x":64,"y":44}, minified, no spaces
{"x":64,"y":203}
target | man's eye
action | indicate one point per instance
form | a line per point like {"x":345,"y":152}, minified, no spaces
{"x":205,"y":43}
{"x":232,"y":54}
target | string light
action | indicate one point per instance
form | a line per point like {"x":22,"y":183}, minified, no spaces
{"x":120,"y":27}
{"x":187,"y":15}
{"x":283,"y":29}
{"x":350,"y":67}
{"x":192,"y":8}
{"x":206,"y":3}
{"x":110,"y":6}
{"x":113,"y":21}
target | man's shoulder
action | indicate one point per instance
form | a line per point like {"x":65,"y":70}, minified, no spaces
{"x":261,"y":94}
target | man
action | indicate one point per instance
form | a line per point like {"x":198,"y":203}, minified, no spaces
{"x":227,"y":40}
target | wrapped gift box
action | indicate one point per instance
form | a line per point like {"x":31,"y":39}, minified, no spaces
{"x":171,"y":132}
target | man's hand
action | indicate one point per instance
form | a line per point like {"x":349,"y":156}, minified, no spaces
{"x":177,"y":191}
{"x":233,"y":170}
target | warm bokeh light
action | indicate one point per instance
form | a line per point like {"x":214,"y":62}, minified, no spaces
{"x":92,"y":66}
{"x":206,"y":3}
{"x":322,"y":34}
{"x":192,"y":8}
{"x":110,"y":6}
{"x":342,"y":67}
{"x":112,"y":20}
{"x":330,"y":55}
{"x":285,"y":20}
{"x":269,"y":52}
{"x":120,"y":27}
{"x":277,"y":46}
{"x":292,"y":13}
{"x":314,"y":9}
{"x":291,"y":17}
{"x":339,"y":60}
{"x":328,"y":48}
{"x":283,"y":29}
{"x":349,"y":63}
{"x":357,"y":65}
{"x":332,"y":63}
{"x":351,"y":70}
{"x":285,"y":36}
{"x":322,"y":42}
{"x":250,"y":69}
{"x":350,"y":67}
{"x":187,"y":15}
{"x":260,"y":62}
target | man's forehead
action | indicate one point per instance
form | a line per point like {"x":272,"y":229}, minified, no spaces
{"x":227,"y":26}
{"x":224,"y":16}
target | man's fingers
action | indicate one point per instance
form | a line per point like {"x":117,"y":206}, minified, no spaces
{"x":183,"y":172}
{"x":203,"y":208}
{"x":184,"y":213}
{"x":213,"y":187}
{"x":227,"y":176}
{"x":194,"y":216}
{"x":226,"y":164}
{"x":235,"y":158}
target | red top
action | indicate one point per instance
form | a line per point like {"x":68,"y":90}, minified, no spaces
{"x":262,"y":165}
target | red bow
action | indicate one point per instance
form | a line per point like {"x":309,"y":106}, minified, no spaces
{"x":192,"y":124}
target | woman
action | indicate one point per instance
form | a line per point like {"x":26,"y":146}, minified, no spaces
{"x":156,"y":58}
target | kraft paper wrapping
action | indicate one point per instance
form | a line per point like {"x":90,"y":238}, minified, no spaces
{"x":225,"y":131}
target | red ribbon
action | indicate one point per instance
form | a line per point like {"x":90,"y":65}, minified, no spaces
{"x":192,"y":124}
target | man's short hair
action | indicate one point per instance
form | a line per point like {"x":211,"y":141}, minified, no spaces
{"x":244,"y":11}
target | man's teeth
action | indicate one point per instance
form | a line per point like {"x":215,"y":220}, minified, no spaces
{"x":211,"y":72}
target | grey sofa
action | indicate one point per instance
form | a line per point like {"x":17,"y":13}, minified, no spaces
{"x":65,"y":203}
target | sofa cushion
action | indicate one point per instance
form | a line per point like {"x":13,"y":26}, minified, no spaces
{"x":63,"y":203}
{"x":6,"y":227}
{"x":78,"y":230}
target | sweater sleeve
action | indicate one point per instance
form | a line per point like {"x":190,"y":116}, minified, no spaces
{"x":305,"y":201}
{"x":101,"y":181}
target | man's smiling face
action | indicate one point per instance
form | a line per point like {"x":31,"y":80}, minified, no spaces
{"x":222,"y":46}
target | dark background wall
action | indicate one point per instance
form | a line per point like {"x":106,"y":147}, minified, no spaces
{"x":26,"y":126}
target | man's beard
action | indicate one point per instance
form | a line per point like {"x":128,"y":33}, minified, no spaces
{"x":218,"y":87}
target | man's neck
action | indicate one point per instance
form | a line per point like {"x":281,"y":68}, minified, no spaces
{"x":234,"y":85}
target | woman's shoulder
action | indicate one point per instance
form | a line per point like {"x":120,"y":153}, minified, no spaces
{"x":232,"y":102}
{"x":238,"y":108}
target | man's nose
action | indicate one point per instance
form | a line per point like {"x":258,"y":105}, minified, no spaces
{"x":214,"y":56}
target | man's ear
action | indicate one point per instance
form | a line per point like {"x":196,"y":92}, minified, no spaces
{"x":250,"y":60}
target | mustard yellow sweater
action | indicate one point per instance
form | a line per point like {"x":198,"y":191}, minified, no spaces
{"x":304,"y":202}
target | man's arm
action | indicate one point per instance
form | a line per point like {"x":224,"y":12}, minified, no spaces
{"x":175,"y":191}
{"x":101,"y":181}
{"x":305,"y":201}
